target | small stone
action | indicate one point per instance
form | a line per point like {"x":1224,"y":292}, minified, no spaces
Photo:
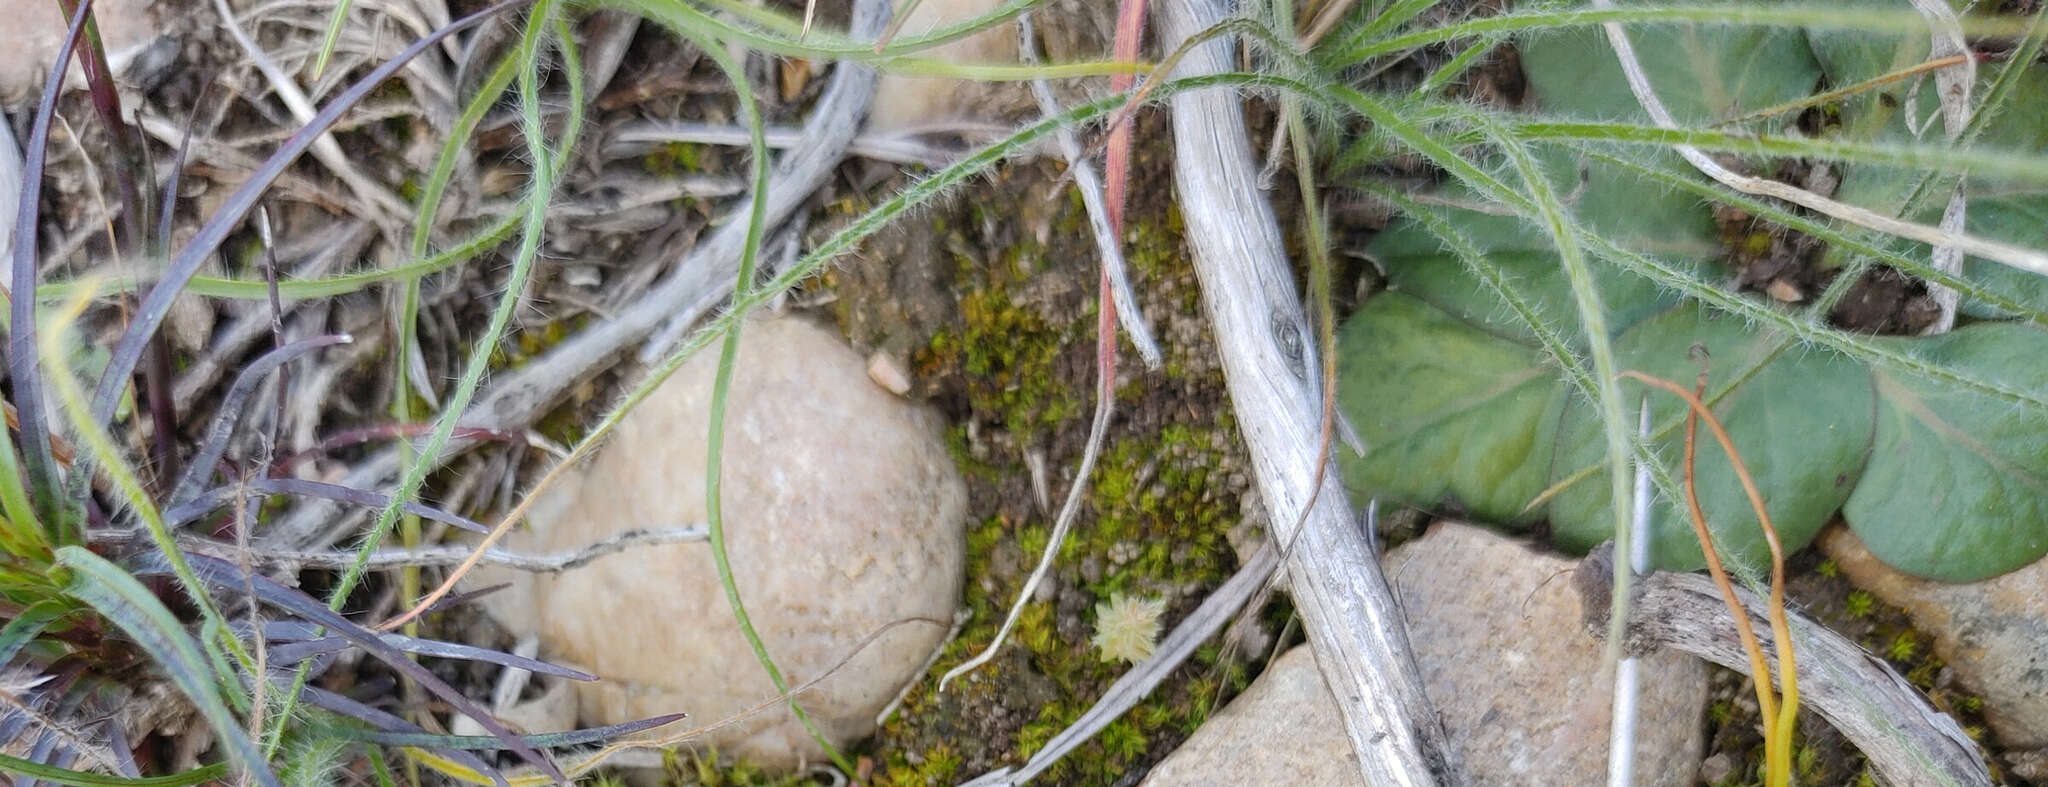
{"x":843,"y":514}
{"x":1518,"y":679}
{"x":1991,"y":633}
{"x":1785,"y":291}
{"x":889,"y":373}
{"x":1717,"y":769}
{"x":909,"y":104}
{"x":1504,"y":654}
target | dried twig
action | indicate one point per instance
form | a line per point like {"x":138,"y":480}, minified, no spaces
{"x":1269,"y":363}
{"x":896,"y":147}
{"x":438,"y":556}
{"x":1908,"y":743}
{"x":1107,"y":243}
{"x":1953,"y":85}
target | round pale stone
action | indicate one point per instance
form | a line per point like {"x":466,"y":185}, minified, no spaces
{"x":843,"y":514}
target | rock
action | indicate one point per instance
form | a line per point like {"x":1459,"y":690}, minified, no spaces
{"x":1504,"y":655}
{"x":843,"y":514}
{"x":35,"y":29}
{"x":906,"y":103}
{"x":1284,"y":729}
{"x":1994,"y":633}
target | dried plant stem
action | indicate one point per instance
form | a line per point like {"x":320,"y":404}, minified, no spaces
{"x":1778,"y":719}
{"x":438,"y":556}
{"x":1269,"y":364}
{"x":1093,"y":200}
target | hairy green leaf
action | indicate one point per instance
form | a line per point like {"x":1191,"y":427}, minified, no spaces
{"x":1703,"y":73}
{"x":1445,"y":409}
{"x":1800,"y":417}
{"x":1957,"y":486}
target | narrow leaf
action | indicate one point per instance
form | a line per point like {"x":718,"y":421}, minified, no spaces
{"x":119,"y":598}
{"x":51,"y":773}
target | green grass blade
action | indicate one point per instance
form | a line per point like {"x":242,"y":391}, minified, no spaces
{"x":1357,"y":48}
{"x":56,"y":775}
{"x":682,"y":16}
{"x":328,"y":38}
{"x":27,"y":625}
{"x":831,"y":45}
{"x":122,"y":600}
{"x":750,"y":252}
{"x":24,"y":533}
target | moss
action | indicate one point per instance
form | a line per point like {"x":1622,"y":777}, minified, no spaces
{"x":1903,"y":647}
{"x":674,"y":158}
{"x":1858,"y":604}
{"x":1015,"y":368}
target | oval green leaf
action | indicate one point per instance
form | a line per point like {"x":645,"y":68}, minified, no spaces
{"x":1957,"y":487}
{"x":1445,"y":408}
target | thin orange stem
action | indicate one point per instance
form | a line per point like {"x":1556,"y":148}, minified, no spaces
{"x":1776,"y":718}
{"x":1759,"y":668}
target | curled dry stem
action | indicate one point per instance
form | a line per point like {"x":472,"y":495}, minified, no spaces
{"x":1778,"y":717}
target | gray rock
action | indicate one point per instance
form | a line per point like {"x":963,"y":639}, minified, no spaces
{"x":1284,"y":729}
{"x":843,"y":514}
{"x":1994,"y":633}
{"x":1504,"y":656}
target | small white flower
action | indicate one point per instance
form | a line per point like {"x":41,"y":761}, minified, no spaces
{"x":1127,"y":627}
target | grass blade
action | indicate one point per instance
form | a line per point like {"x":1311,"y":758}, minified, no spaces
{"x":119,"y":598}
{"x":26,"y":625}
{"x":56,"y":775}
{"x":421,"y":740}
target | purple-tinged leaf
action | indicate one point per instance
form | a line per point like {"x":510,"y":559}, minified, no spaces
{"x":209,"y":500}
{"x":168,"y":209}
{"x":149,"y":315}
{"x":296,"y":651}
{"x":228,"y":576}
{"x":24,"y":371}
{"x":487,"y":743}
{"x":118,"y":597}
{"x":340,"y":705}
{"x":231,"y":406}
